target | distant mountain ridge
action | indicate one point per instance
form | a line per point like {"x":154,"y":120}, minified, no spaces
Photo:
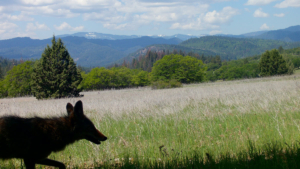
{"x":234,"y":48}
{"x":87,"y":52}
{"x":95,"y":35}
{"x":290,"y":34}
{"x":97,"y":49}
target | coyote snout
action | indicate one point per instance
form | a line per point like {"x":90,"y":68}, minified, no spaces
{"x":96,"y":138}
{"x":33,"y":139}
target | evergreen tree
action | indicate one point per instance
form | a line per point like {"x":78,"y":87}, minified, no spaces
{"x":280,"y":49}
{"x":55,"y":75}
{"x":264,"y":64}
{"x":1,"y":76}
{"x":278,"y":64}
{"x":272,"y":63}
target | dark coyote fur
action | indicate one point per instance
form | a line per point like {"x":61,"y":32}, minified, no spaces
{"x":33,"y":139}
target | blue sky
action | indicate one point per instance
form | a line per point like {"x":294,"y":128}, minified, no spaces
{"x":40,"y":19}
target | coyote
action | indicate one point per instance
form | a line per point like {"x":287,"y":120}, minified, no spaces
{"x":33,"y":139}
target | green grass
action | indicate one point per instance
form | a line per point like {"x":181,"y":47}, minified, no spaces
{"x":297,"y":71}
{"x":174,"y":140}
{"x":251,"y":128}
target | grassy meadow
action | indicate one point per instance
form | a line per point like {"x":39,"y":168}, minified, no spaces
{"x":231,"y":124}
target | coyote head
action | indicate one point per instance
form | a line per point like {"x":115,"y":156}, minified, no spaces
{"x":83,"y":127}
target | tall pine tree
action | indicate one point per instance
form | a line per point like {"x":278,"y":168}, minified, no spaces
{"x":55,"y":75}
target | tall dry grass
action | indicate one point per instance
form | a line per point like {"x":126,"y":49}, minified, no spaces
{"x":246,"y":95}
{"x":216,"y":117}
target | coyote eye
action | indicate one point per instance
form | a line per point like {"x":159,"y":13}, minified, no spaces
{"x":89,"y":124}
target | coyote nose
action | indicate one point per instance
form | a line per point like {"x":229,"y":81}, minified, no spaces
{"x":105,"y":138}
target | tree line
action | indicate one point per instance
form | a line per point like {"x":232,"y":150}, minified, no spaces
{"x":7,"y":64}
{"x":56,"y":75}
{"x":270,"y":63}
{"x":146,"y":62}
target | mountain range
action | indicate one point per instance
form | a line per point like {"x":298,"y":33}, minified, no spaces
{"x":95,"y":35}
{"x":86,"y":52}
{"x":229,"y":48}
{"x":92,"y":49}
{"x":290,"y":34}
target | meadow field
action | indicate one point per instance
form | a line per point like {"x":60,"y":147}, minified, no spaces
{"x":230,"y":124}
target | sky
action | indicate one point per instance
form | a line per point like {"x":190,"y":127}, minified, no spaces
{"x":41,"y":19}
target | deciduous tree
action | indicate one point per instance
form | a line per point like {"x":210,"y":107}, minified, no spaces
{"x":184,"y":69}
{"x":17,"y":81}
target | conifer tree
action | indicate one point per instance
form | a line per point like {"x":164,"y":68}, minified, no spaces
{"x":272,"y":63}
{"x":1,"y":72}
{"x":55,"y":75}
{"x":264,"y":64}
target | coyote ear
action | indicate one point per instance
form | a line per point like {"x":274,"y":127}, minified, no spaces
{"x":78,"y":109}
{"x":70,"y":108}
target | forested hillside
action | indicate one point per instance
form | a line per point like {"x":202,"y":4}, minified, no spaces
{"x":6,"y":65}
{"x":166,"y":49}
{"x":228,"y":48}
{"x":234,"y":48}
{"x":146,"y":62}
{"x":290,"y":34}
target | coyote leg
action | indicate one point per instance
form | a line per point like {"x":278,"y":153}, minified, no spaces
{"x":30,"y":164}
{"x":53,"y":163}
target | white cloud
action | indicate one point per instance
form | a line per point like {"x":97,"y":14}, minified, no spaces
{"x":84,"y":4}
{"x":133,"y":14}
{"x":2,"y":8}
{"x":36,"y":26}
{"x":194,"y":26}
{"x":259,"y":2}
{"x":120,"y":14}
{"x":288,"y":3}
{"x":104,"y":17}
{"x":264,"y":27}
{"x":39,"y":2}
{"x":259,"y":13}
{"x":49,"y":11}
{"x":124,"y":26}
{"x":21,"y":17}
{"x":220,"y":17}
{"x":279,"y":15}
{"x":7,"y":26}
{"x":9,"y":30}
{"x":210,"y":20}
{"x":66,"y":26}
